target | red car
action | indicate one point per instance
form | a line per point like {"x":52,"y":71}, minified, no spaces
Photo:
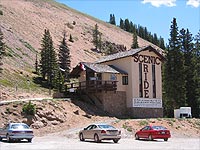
{"x":153,"y":132}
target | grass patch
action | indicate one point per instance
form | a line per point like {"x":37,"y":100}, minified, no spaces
{"x":143,"y":123}
{"x":27,"y":45}
{"x":5,"y":82}
{"x":128,"y":128}
{"x":159,"y":119}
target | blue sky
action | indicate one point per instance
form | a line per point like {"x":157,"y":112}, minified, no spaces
{"x":156,"y":15}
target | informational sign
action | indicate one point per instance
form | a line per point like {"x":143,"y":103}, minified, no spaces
{"x":147,"y":102}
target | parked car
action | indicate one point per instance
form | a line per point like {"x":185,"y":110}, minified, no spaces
{"x":100,"y":132}
{"x":16,"y":131}
{"x":153,"y":132}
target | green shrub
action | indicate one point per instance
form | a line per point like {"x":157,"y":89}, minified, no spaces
{"x":29,"y":108}
{"x":1,"y":12}
{"x":143,"y":123}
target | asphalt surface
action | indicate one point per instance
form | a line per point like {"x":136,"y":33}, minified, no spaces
{"x":65,"y":143}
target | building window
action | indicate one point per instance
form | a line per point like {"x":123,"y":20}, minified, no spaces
{"x":124,"y":80}
{"x":113,"y":77}
{"x":140,"y":81}
{"x":154,"y":80}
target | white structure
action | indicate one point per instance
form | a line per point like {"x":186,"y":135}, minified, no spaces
{"x":183,"y":112}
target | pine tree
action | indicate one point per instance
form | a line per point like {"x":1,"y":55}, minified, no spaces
{"x":113,"y":22}
{"x":121,"y":24}
{"x":2,"y":50}
{"x":174,"y":78}
{"x":196,"y":109}
{"x":126,"y":25}
{"x":64,"y":60}
{"x":96,"y":37}
{"x":189,"y":63}
{"x":135,"y":42}
{"x":36,"y":65}
{"x":70,"y":38}
{"x":161,"y":43}
{"x":48,"y":63}
{"x":112,"y":19}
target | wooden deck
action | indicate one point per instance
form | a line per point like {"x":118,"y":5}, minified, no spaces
{"x":92,"y":86}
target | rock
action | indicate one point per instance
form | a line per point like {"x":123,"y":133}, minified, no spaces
{"x":76,"y":112}
{"x":54,"y":122}
{"x":37,"y":125}
{"x":88,"y":116}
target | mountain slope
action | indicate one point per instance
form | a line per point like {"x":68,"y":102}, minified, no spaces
{"x":23,"y":23}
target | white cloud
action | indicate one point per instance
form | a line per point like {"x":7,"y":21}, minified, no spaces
{"x":158,"y":3}
{"x":194,"y":3}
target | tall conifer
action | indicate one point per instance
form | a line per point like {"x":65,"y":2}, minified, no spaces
{"x":2,"y":49}
{"x":64,"y":58}
{"x":174,"y":78}
{"x":48,"y":63}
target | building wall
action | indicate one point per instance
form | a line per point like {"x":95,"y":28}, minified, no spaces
{"x":120,"y":87}
{"x":145,"y":112}
{"x":113,"y":102}
{"x":131,"y":66}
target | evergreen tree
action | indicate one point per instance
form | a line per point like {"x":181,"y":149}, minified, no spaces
{"x":48,"y":63}
{"x":96,"y":37}
{"x":64,"y":59}
{"x":121,"y":24}
{"x":196,"y":109}
{"x":189,"y":63}
{"x":174,"y":78}
{"x":2,"y":49}
{"x":126,"y":25}
{"x":135,"y":42}
{"x":155,"y":39}
{"x":36,"y":65}
{"x":70,"y":38}
{"x":112,"y":19}
{"x":161,"y":43}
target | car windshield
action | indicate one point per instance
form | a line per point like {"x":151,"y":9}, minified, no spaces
{"x":19,"y":126}
{"x":106,"y":126}
{"x":158,"y":128}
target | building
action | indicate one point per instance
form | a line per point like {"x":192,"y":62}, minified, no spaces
{"x":125,"y":83}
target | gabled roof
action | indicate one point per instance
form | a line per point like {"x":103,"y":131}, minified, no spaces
{"x":129,"y":53}
{"x":98,"y":68}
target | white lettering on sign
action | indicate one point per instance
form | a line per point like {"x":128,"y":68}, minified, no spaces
{"x":146,"y":102}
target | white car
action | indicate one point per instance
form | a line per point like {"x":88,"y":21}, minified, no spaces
{"x":100,"y":132}
{"x":16,"y":131}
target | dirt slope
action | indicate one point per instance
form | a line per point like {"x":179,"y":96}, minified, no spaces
{"x":23,"y":23}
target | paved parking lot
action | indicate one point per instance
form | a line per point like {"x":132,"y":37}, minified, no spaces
{"x":63,"y":143}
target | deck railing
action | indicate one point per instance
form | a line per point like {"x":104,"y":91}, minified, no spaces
{"x":93,"y":86}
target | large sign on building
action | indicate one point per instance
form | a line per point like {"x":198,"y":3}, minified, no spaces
{"x":146,"y":102}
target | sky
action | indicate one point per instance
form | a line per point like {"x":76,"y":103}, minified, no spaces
{"x":156,"y":15}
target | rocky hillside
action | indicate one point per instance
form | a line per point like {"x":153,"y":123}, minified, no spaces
{"x":63,"y":115}
{"x":23,"y":22}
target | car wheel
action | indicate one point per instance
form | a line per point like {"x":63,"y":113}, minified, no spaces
{"x":8,"y":138}
{"x":81,"y":137}
{"x":115,"y":140}
{"x":137,"y":137}
{"x":165,"y":139}
{"x":29,"y":140}
{"x":0,"y":138}
{"x":96,"y":138}
{"x":150,"y":138}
